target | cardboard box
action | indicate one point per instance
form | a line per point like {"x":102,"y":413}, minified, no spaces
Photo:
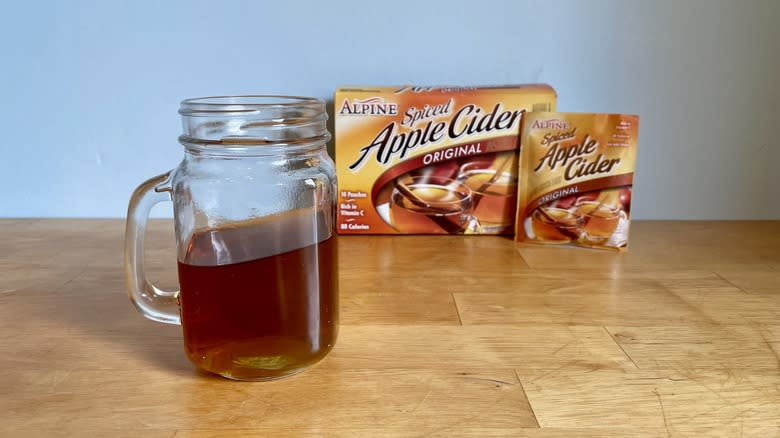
{"x":430,"y":160}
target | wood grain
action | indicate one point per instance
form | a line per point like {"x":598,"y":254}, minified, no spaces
{"x":684,"y":402}
{"x":700,"y":346}
{"x":619,"y":302}
{"x":441,"y":336}
{"x":757,"y":279}
{"x":329,"y":397}
{"x":446,"y":432}
{"x":674,"y":245}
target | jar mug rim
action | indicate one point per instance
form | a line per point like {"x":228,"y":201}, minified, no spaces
{"x":240,"y":123}
{"x":246,"y":102}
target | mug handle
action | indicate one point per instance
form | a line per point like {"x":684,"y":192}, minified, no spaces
{"x":153,"y":303}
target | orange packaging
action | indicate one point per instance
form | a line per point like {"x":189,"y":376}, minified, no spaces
{"x":576,"y":177}
{"x":430,"y":160}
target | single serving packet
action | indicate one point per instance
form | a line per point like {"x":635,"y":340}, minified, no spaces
{"x":576,"y":174}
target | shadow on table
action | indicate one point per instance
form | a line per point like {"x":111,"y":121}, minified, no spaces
{"x":94,"y":306}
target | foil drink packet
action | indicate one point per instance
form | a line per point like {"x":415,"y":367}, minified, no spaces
{"x":575,"y":179}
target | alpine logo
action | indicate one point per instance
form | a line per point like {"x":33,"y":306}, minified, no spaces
{"x":374,"y":106}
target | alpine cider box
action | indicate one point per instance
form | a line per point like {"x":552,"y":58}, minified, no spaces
{"x":576,"y":178}
{"x":430,"y":160}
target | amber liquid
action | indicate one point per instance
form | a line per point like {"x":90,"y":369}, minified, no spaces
{"x":598,"y":220}
{"x":263,"y":318}
{"x":555,"y":225}
{"x":494,"y":203}
{"x":449,"y":210}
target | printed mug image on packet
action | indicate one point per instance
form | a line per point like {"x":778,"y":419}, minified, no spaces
{"x":576,"y":177}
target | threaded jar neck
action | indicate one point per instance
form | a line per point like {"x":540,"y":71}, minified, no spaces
{"x":253,"y":124}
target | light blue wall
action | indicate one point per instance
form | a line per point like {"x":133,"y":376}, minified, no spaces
{"x":90,"y":89}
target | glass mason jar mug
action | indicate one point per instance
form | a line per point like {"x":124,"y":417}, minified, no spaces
{"x":254,"y":201}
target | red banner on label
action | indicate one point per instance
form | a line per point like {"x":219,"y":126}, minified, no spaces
{"x":607,"y":182}
{"x":500,"y":144}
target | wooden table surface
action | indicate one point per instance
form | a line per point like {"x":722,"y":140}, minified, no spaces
{"x":441,"y":336}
